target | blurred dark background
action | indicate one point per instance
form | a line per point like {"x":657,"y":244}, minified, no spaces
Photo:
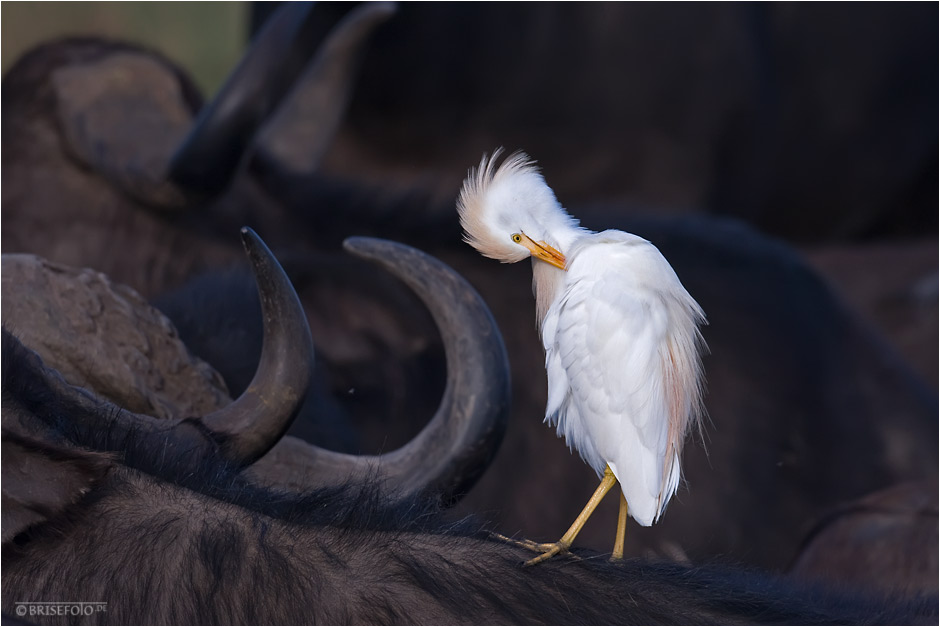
{"x":817,"y":123}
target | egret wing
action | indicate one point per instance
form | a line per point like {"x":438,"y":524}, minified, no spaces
{"x":612,"y":342}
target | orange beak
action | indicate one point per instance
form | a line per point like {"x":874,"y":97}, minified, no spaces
{"x":541,"y":250}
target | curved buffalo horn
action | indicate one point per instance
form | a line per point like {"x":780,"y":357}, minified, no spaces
{"x":241,"y":432}
{"x":460,"y":441}
{"x":209,"y":156}
{"x":257,"y":419}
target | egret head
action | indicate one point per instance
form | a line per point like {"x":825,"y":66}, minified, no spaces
{"x":509,"y":213}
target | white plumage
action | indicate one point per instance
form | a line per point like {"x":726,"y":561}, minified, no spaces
{"x":619,"y":330}
{"x":610,"y":352}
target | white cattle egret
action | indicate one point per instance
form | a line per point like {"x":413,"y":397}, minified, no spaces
{"x":621,"y":337}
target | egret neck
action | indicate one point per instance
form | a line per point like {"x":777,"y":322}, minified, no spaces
{"x":548,"y":267}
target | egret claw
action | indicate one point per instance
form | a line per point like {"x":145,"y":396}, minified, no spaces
{"x":546,"y":549}
{"x":523,"y":543}
{"x":537,"y":547}
{"x":553,"y":549}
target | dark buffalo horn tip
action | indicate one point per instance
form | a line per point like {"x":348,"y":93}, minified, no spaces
{"x":256,"y":420}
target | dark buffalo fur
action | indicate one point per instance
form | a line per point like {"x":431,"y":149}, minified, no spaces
{"x":193,"y":542}
{"x":156,"y":552}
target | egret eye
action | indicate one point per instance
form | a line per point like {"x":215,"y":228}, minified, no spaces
{"x":516,"y":238}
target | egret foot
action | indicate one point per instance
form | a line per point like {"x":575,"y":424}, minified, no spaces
{"x":562,"y":546}
{"x":531,"y":545}
{"x":550,"y":549}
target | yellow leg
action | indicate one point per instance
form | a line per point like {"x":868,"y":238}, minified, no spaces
{"x":617,"y":553}
{"x":607,"y":482}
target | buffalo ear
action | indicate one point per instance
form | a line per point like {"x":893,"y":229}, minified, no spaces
{"x":123,"y":116}
{"x":41,"y":481}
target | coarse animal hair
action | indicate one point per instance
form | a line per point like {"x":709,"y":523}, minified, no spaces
{"x":191,"y":540}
